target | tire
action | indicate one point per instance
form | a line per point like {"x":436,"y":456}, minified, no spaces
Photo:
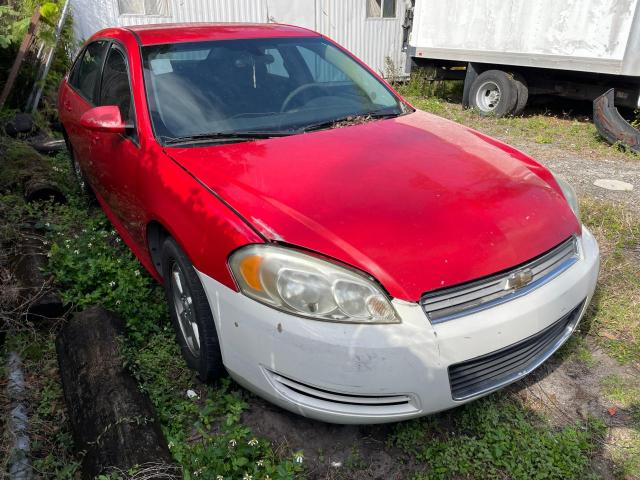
{"x":493,"y":93}
{"x":190,"y":313}
{"x":523,"y":93}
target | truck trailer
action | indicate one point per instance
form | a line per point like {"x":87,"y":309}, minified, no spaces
{"x":506,"y":50}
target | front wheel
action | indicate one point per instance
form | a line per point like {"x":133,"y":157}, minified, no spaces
{"x":494,"y":93}
{"x":190,"y":313}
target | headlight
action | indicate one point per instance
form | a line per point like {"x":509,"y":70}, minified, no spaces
{"x":570,"y":195}
{"x":307,"y":286}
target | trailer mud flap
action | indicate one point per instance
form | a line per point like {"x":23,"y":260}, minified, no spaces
{"x":611,"y":125}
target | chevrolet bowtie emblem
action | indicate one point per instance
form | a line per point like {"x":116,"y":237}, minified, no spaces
{"x":519,"y":279}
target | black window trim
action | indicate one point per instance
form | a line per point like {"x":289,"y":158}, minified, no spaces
{"x":97,"y":89}
{"x":75,"y":63}
{"x":117,"y":45}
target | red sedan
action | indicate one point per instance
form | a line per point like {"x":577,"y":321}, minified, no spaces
{"x":338,"y":252}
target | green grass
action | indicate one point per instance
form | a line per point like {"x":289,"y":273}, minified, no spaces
{"x":577,"y":135}
{"x":614,"y":314}
{"x":92,"y":266}
{"x":498,"y":438}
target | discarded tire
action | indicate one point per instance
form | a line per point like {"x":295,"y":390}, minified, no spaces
{"x":111,"y":419}
{"x":48,"y":146}
{"x":21,"y":123}
{"x":36,"y":190}
{"x":43,"y":302}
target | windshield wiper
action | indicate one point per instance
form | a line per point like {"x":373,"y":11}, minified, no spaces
{"x":350,"y":119}
{"x":222,"y":137}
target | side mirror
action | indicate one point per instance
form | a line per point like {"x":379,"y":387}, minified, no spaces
{"x":103,"y":119}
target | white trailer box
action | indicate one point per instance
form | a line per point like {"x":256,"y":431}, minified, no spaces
{"x":584,"y":36}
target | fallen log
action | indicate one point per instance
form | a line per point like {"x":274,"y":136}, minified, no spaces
{"x":111,"y":419}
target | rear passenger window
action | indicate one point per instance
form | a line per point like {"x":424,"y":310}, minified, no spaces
{"x":115,"y":88}
{"x":87,"y":69}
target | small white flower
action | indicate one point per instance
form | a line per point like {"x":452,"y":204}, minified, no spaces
{"x":298,"y":458}
{"x":45,"y":242}
{"x":192,"y":394}
{"x":112,"y":284}
{"x":219,"y":477}
{"x":49,"y":255}
{"x":137,"y":272}
{"x":260,"y":463}
{"x":171,"y":444}
{"x":89,"y":245}
{"x":118,"y":302}
{"x":76,"y":252}
{"x":47,"y":224}
{"x":247,"y":477}
{"x":253,"y":442}
{"x":232,"y":443}
{"x":84,"y":230}
{"x":118,"y":240}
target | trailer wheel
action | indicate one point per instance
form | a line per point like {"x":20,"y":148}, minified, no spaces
{"x":523,"y":93}
{"x":494,"y":92}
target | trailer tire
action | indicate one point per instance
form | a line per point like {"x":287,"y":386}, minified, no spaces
{"x":494,"y":93}
{"x":523,"y":93}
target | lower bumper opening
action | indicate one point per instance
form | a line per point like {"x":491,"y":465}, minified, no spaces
{"x":323,"y":399}
{"x":496,"y":369}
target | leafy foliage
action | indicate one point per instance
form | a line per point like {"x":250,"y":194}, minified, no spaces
{"x":205,"y":435}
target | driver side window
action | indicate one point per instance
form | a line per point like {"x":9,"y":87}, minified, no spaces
{"x":116,"y":88}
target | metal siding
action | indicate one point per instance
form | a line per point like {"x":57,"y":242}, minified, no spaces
{"x":579,"y":29}
{"x":372,"y":40}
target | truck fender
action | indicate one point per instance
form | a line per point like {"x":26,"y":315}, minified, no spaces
{"x":473,"y":70}
{"x":610,"y":124}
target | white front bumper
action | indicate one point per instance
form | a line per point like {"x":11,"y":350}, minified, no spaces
{"x":345,"y":373}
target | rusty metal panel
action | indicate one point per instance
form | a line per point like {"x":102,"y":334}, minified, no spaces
{"x":581,"y":34}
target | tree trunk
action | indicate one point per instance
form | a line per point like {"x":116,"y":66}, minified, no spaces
{"x":112,"y":420}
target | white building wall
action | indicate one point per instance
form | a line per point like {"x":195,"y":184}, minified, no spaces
{"x":371,"y":39}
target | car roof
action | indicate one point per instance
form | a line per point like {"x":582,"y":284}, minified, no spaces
{"x":196,"y":32}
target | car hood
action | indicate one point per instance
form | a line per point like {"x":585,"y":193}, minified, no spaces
{"x":417,"y":201}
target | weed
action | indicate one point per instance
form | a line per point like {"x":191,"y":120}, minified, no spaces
{"x":496,"y":438}
{"x":614,"y":314}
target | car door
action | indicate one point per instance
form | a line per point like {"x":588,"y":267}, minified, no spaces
{"x":116,"y":157}
{"x":79,"y":95}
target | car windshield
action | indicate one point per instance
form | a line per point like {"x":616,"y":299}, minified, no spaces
{"x":258,"y":86}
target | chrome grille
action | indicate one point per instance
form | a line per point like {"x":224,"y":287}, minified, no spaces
{"x":454,"y":302}
{"x":497,"y":369}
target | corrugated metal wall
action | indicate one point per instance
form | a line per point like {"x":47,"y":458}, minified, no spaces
{"x":372,"y":40}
